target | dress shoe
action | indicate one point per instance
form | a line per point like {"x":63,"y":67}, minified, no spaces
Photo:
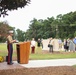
{"x":10,"y":63}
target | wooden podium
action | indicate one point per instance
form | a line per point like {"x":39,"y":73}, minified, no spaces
{"x":23,"y":50}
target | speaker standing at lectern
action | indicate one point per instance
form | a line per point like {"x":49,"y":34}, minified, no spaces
{"x":10,"y":42}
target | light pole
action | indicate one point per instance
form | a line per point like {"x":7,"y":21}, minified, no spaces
{"x":56,"y":31}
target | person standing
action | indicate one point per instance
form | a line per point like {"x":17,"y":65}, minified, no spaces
{"x":39,"y":43}
{"x":68,"y":43}
{"x":51,"y":43}
{"x":71,"y":45}
{"x":33,"y":46}
{"x":42,"y":43}
{"x":65,"y":45}
{"x":10,"y":42}
{"x":74,"y":40}
{"x":39,"y":46}
{"x":60,"y":43}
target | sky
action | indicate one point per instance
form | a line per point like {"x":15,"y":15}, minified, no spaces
{"x":39,"y":9}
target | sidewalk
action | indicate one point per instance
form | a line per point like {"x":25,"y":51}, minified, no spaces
{"x":46,"y":63}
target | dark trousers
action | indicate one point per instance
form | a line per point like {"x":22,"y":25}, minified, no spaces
{"x":75,"y":47}
{"x":10,"y":52}
{"x":33,"y":49}
{"x":51,"y":48}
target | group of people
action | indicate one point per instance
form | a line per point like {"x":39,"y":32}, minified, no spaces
{"x":70,"y":44}
{"x":33,"y":44}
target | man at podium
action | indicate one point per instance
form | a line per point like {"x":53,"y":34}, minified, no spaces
{"x":10,"y":42}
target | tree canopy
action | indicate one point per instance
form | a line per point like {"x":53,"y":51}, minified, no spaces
{"x":4,"y":28}
{"x":63,"y":26}
{"x":6,"y":5}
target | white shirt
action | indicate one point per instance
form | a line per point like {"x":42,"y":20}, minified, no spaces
{"x":33,"y":43}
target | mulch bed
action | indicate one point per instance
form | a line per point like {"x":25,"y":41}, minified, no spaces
{"x":58,"y":70}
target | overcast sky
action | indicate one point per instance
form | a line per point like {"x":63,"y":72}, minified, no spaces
{"x":39,"y":9}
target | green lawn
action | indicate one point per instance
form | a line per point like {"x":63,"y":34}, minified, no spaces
{"x":52,"y":56}
{"x":4,"y":51}
{"x":39,"y":54}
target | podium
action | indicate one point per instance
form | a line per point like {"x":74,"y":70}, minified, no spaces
{"x":23,"y":50}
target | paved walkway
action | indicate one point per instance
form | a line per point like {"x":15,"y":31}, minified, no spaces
{"x":4,"y":66}
{"x":39,"y":63}
{"x":45,"y":63}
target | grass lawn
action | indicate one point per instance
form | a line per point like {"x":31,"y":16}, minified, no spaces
{"x":4,"y":51}
{"x":39,"y":53}
{"x":52,"y":56}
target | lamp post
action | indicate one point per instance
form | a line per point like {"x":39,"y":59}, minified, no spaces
{"x":56,"y":31}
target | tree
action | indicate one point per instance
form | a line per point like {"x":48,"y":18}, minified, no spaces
{"x":64,"y":26}
{"x":4,"y":28}
{"x":75,"y":34}
{"x":20,"y":36}
{"x":6,"y":5}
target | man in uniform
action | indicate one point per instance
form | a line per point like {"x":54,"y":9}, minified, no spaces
{"x":10,"y":42}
